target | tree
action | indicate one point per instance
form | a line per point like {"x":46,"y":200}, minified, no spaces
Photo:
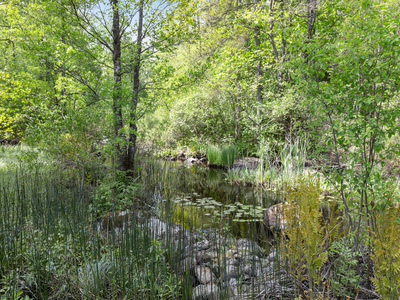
{"x":359,"y":99}
{"x":110,"y":27}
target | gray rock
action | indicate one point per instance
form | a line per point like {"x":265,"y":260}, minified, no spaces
{"x":157,"y":227}
{"x":231,"y":271}
{"x":247,"y":247}
{"x":202,"y":257}
{"x":206,"y":292}
{"x":191,"y":160}
{"x":202,"y":245}
{"x":252,"y":269}
{"x":274,"y":217}
{"x":187,"y":265}
{"x":204,"y":274}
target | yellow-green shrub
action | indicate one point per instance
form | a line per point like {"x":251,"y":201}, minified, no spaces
{"x":306,"y":245}
{"x":386,"y":256}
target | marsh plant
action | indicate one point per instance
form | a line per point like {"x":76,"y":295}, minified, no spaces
{"x":51,"y":246}
{"x":224,"y":156}
{"x":268,"y":173}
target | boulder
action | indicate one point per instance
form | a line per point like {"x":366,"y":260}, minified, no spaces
{"x":117,"y":219}
{"x":246,"y":247}
{"x":202,"y":257}
{"x":204,"y":274}
{"x":206,"y":292}
{"x":274,"y":217}
{"x":191,"y":160}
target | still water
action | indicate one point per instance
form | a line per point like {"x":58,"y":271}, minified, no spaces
{"x":201,"y":198}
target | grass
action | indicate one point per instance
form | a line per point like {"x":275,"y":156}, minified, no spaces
{"x":213,"y":155}
{"x":224,"y":156}
{"x":51,"y":248}
{"x":292,"y":157}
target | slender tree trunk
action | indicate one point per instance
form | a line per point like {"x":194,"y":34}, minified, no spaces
{"x":117,"y":95}
{"x":136,"y":89}
{"x":239,"y":108}
{"x":311,"y":18}
{"x":257,"y":44}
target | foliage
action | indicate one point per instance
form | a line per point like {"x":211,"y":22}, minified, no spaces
{"x":358,"y":99}
{"x":228,"y":155}
{"x":306,"y":247}
{"x":213,"y":154}
{"x":345,"y":278}
{"x":386,"y":254}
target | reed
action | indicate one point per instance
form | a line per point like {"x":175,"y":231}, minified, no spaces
{"x":227,"y":155}
{"x":213,"y":155}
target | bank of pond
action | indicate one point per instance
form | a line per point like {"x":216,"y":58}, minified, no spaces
{"x":179,"y":231}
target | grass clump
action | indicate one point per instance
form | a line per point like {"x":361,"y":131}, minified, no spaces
{"x":228,"y":155}
{"x":52,"y":247}
{"x":224,"y":156}
{"x":213,"y":155}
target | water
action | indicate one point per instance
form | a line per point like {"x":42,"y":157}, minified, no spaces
{"x":198,"y":197}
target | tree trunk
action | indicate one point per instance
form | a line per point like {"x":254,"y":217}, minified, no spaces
{"x":117,"y":93}
{"x":136,"y":89}
{"x":259,"y":65}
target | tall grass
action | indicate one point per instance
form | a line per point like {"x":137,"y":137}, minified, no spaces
{"x":213,"y":155}
{"x":228,"y":155}
{"x":292,"y":156}
{"x":224,"y":156}
{"x":51,"y":246}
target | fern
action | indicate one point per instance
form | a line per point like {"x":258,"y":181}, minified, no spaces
{"x":386,"y":256}
{"x":306,"y":245}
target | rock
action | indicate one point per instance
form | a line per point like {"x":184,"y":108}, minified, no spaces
{"x":203,"y":160}
{"x":272,"y":255}
{"x":191,"y":160}
{"x":202,"y":257}
{"x":231,"y":271}
{"x":202,"y":245}
{"x":231,"y":254}
{"x":275,"y":217}
{"x":157,"y":228}
{"x":247,"y":162}
{"x":181,"y":156}
{"x":204,"y":274}
{"x":252,"y":269}
{"x":117,"y":219}
{"x":246,"y":247}
{"x":187,"y":265}
{"x":206,"y":292}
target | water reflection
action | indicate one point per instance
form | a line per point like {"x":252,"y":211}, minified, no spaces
{"x":198,"y":197}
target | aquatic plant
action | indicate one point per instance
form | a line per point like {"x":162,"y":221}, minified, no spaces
{"x":213,"y":155}
{"x":227,"y":155}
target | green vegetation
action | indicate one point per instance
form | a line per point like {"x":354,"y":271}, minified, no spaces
{"x":223,"y":157}
{"x":307,"y":91}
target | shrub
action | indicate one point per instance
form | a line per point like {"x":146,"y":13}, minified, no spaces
{"x":386,"y":255}
{"x":306,"y":245}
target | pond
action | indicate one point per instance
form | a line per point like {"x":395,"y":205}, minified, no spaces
{"x":200,"y":198}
